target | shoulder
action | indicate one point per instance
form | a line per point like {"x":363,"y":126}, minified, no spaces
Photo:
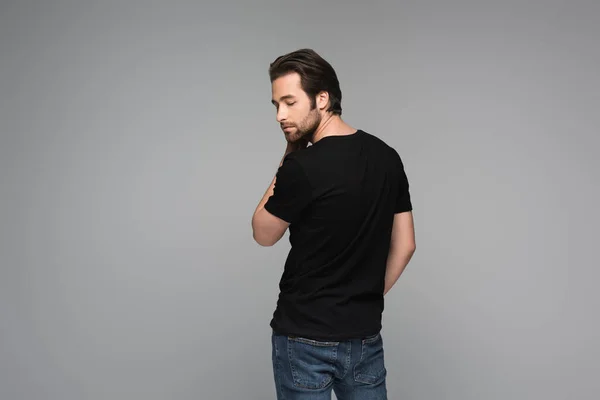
{"x":386,"y":148}
{"x":295,"y":160}
{"x":302,"y":159}
{"x":293,"y":169}
{"x":375,"y":139}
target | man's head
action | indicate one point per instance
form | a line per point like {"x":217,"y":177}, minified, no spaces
{"x":305,"y":88}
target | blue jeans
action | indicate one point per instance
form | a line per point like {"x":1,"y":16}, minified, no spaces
{"x":306,"y":369}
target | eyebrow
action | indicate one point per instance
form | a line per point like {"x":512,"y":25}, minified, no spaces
{"x":287,"y":96}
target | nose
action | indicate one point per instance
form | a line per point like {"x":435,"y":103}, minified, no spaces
{"x":281,"y":115}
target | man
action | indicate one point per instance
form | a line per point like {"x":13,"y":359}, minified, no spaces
{"x":346,"y":202}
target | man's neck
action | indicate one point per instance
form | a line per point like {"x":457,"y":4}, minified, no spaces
{"x":331,"y":125}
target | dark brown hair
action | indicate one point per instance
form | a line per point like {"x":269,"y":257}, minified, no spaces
{"x":316,"y":75}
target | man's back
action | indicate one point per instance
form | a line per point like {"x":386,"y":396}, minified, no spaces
{"x":340,"y":195}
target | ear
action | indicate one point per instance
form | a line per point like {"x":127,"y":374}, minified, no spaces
{"x":322,"y":100}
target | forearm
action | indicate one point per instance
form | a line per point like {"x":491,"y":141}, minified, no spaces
{"x":265,"y":197}
{"x":270,"y":189}
{"x":397,"y":261}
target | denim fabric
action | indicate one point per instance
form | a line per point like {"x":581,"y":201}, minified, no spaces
{"x":306,"y":369}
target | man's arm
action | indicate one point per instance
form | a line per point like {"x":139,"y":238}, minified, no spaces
{"x":268,"y":229}
{"x":402,"y":248}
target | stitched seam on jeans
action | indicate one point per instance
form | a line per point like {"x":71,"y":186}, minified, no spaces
{"x":295,"y":379}
{"x":359,"y":363}
{"x":313,"y":342}
{"x":371,"y":339}
{"x":359,"y":377}
{"x":348,"y":361}
{"x":278,"y":371}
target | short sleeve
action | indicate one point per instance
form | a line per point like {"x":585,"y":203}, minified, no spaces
{"x":292,"y":191}
{"x":403,"y":201}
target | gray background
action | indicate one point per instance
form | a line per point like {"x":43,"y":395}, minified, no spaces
{"x":137,"y":137}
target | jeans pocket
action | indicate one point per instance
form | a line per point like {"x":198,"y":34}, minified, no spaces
{"x":370,"y":369}
{"x":312,"y":362}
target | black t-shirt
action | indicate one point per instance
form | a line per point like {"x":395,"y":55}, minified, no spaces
{"x":339,"y":196}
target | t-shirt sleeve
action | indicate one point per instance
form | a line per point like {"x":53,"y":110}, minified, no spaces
{"x":403,"y":201}
{"x":292,"y":191}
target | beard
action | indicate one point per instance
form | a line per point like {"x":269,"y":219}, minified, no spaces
{"x":306,"y":128}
